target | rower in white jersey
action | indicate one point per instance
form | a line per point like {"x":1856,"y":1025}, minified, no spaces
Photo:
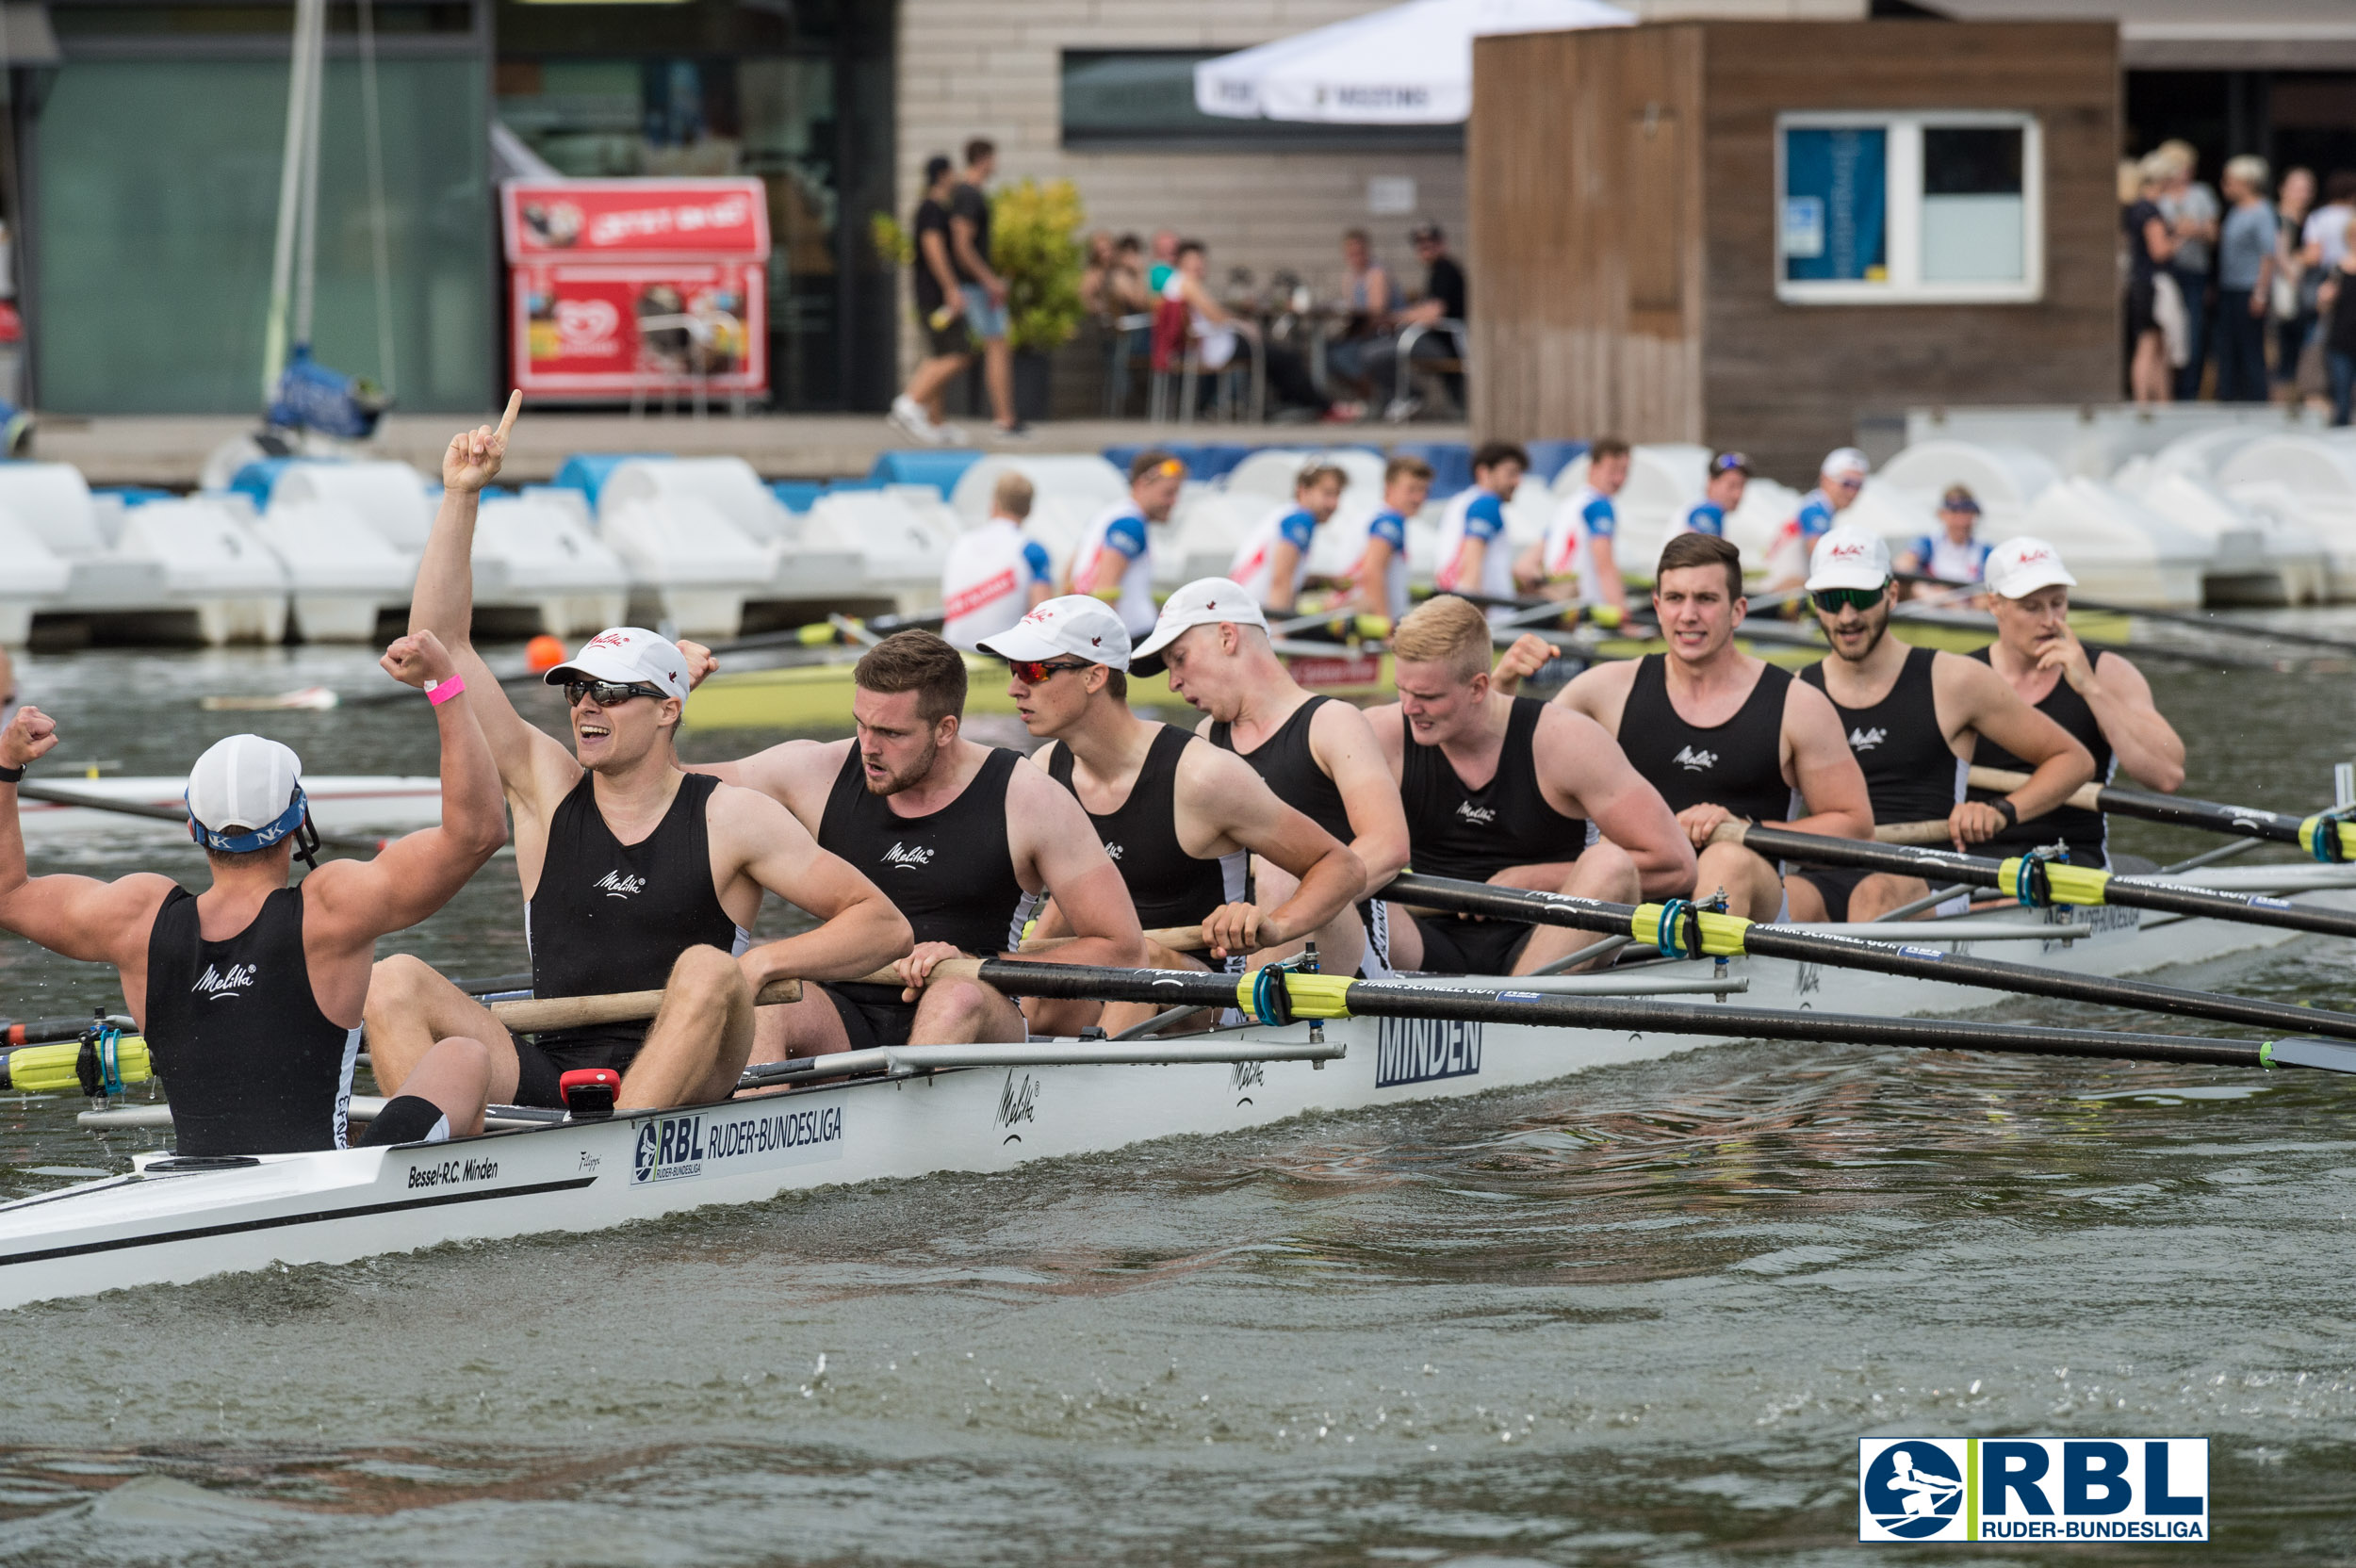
{"x":1573,"y":561}
{"x":1474,"y":555}
{"x":1378,"y":584}
{"x":1273,"y":562}
{"x":1115,"y":561}
{"x":995,"y":575}
{"x":1722,"y":496}
{"x":1954,"y":555}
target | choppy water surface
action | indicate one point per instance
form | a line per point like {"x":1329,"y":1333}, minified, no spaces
{"x":1638,"y":1316}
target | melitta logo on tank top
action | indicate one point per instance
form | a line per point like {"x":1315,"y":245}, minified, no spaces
{"x":1695,"y":761}
{"x":614,"y":884}
{"x":216,"y":984}
{"x":1480,"y":815}
{"x":907,"y":859}
{"x":1866,"y":739}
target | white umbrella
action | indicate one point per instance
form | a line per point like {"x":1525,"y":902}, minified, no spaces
{"x":1410,"y":65}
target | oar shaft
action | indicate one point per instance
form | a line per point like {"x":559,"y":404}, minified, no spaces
{"x":2248,"y":821}
{"x":2123,"y":891}
{"x":1178,"y":939}
{"x":542,"y":1013}
{"x":50,"y":794}
{"x":1482,"y":1005}
{"x":1881,"y":957}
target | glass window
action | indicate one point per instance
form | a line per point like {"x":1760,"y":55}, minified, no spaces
{"x":1936,"y":207}
{"x":154,"y":231}
{"x":1142,"y":100}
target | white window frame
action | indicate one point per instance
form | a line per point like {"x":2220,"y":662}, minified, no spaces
{"x":1902,"y":207}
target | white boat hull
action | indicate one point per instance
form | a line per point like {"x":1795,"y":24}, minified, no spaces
{"x":340,"y":1206}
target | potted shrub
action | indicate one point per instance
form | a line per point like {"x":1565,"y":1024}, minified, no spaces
{"x":1035,"y":245}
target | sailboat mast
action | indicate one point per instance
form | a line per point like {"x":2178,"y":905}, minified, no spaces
{"x":302,"y":86}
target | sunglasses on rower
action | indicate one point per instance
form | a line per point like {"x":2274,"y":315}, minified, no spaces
{"x":1033,"y":671}
{"x":1832,"y":600}
{"x":610,"y":694}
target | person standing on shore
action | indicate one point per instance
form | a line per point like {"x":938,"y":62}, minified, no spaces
{"x":2245,"y":261}
{"x":2192,"y":211}
{"x":985,"y":291}
{"x":940,"y":304}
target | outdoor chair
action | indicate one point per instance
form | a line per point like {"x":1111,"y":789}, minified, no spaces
{"x":1402,"y":406}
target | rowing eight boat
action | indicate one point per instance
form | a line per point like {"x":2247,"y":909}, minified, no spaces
{"x":986,"y":1109}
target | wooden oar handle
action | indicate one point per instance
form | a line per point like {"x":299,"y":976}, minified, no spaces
{"x":2088,"y":798}
{"x":1887,"y":833}
{"x":1178,"y":939}
{"x":539,"y":1015}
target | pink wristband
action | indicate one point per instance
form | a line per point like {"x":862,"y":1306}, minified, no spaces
{"x":447,"y":690}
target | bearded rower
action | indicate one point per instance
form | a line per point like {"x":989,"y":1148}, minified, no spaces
{"x":1504,"y":789}
{"x":1274,"y":562}
{"x":1315,"y":752}
{"x":1723,"y":736}
{"x":1181,"y":818}
{"x":250,"y":992}
{"x":1914,"y":716}
{"x":636,"y":875}
{"x":964,"y":839}
{"x":2100,"y":698}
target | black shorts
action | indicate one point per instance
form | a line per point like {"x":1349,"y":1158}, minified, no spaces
{"x":1834,"y":885}
{"x":541,"y":1060}
{"x":1454,"y":946}
{"x":950,"y":339}
{"x":872,"y":1015}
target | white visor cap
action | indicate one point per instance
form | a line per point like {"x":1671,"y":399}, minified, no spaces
{"x":245,"y":782}
{"x":628,"y":656}
{"x":1077,"y":625}
{"x":1846,"y":463}
{"x":2022,"y":566}
{"x":1848,"y":557}
{"x":1205,"y":601}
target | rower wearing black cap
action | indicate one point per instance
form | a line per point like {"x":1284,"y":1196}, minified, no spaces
{"x":636,"y":875}
{"x":250,"y":992}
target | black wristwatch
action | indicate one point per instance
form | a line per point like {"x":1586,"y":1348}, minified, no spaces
{"x":9,"y":776}
{"x":2010,"y":812}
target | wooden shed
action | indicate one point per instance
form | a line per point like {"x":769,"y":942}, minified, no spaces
{"x":1750,"y":233}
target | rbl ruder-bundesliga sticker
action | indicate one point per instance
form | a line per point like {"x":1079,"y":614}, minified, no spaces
{"x":2033,"y":1489}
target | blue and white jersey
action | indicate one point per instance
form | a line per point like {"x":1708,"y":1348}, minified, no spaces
{"x":1702,"y":517}
{"x":1587,"y":517}
{"x":1389,"y":527}
{"x":1940,"y":557}
{"x":1116,"y":552}
{"x":986,"y":586}
{"x":1475,"y":515}
{"x":1253,"y":569}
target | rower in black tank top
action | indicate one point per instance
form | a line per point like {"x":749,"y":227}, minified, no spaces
{"x":950,"y":872}
{"x":1737,"y":765}
{"x":608,"y":916}
{"x":1291,"y":769}
{"x":1168,"y":886}
{"x":2086,"y":834}
{"x":250,"y":1063}
{"x":1455,"y":830}
{"x":1911,"y":773}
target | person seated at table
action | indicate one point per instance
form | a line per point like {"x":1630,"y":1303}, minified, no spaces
{"x":1442,"y":301}
{"x":1220,"y":340}
{"x":1113,"y":285}
{"x":1367,"y":294}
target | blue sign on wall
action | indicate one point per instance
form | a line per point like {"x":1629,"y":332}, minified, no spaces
{"x":1835,"y":196}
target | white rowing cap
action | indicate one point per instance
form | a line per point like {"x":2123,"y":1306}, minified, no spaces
{"x":628,"y":656}
{"x":247,"y":783}
{"x":1076,"y":623}
{"x":1205,"y":601}
{"x":1849,"y":557}
{"x":2022,"y":566}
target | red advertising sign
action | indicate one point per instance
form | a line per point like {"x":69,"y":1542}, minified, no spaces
{"x":602,"y":330}
{"x":636,"y":219}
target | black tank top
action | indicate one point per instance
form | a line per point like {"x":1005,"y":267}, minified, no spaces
{"x":250,"y":1063}
{"x":2086,"y":833}
{"x":608,"y":916}
{"x":951,"y":872}
{"x":1738,"y":765}
{"x":1168,"y":886}
{"x":1911,"y":773}
{"x":1456,"y":831}
{"x":1291,"y":769}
